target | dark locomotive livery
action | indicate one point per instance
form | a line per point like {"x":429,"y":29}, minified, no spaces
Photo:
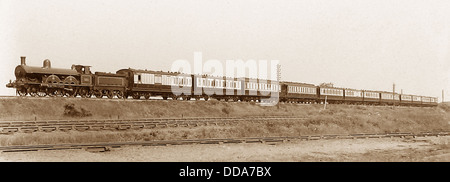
{"x":125,"y":83}
{"x":43,"y":81}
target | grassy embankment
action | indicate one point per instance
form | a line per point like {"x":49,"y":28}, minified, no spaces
{"x":336,"y":119}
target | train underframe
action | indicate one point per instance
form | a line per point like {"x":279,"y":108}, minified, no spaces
{"x":67,"y":90}
{"x":73,"y":90}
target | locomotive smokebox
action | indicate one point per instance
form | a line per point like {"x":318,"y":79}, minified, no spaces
{"x":22,"y":60}
{"x":47,"y":64}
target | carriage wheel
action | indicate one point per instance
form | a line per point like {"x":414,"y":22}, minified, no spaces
{"x":164,"y":97}
{"x":85,"y":93}
{"x":147,"y":96}
{"x":136,"y":95}
{"x":89,"y":94}
{"x":174,"y":97}
{"x":98,"y":94}
{"x":109,"y":94}
{"x":119,"y":94}
{"x":206,"y":98}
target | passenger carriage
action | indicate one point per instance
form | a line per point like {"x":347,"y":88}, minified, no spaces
{"x":259,"y":89}
{"x":353,"y":96}
{"x":389,"y":98}
{"x":331,"y":94}
{"x":144,"y":83}
{"x":405,"y":99}
{"x":371,"y":97}
{"x":298,"y":92}
{"x":416,"y":100}
{"x":226,"y":88}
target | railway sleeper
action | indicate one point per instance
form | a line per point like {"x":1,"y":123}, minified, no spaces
{"x":149,"y":126}
{"x":5,"y":124}
{"x":212,"y":123}
{"x":97,"y":127}
{"x":47,"y":128}
{"x":210,"y":142}
{"x":10,"y":130}
{"x":65,"y":128}
{"x":162,"y":125}
{"x":313,"y":137}
{"x":172,"y":125}
{"x":137,"y":126}
{"x":29,"y":129}
{"x":97,"y":149}
{"x":20,"y":150}
{"x":184,"y":124}
{"x":81,"y":128}
{"x":123,"y":127}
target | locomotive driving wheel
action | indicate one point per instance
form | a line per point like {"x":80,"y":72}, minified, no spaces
{"x":51,"y":92}
{"x":60,"y":92}
{"x":70,"y":92}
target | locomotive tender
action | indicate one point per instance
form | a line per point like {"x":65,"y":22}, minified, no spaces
{"x":79,"y":81}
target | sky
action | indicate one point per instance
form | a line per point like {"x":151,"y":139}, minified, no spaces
{"x":362,"y":44}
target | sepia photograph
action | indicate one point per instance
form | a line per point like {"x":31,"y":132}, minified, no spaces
{"x":225,"y":81}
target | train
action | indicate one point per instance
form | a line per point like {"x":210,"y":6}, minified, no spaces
{"x":79,"y":81}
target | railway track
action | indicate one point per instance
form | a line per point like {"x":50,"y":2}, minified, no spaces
{"x":126,"y":124}
{"x":101,"y":147}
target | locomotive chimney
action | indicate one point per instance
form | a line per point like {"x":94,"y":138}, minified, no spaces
{"x":46,"y":64}
{"x":22,"y":60}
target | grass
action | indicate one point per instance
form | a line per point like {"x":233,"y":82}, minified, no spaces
{"x":336,"y":119}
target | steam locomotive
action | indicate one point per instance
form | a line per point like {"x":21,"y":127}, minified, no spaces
{"x":80,"y":81}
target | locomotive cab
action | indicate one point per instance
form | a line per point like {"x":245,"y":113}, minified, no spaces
{"x":86,"y":70}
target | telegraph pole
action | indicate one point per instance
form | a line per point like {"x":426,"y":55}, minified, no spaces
{"x":393,"y":95}
{"x":443,"y":96}
{"x":278,"y":72}
{"x":278,"y":82}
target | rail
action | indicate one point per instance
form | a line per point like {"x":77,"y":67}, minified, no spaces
{"x":101,"y":147}
{"x":125,"y":124}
